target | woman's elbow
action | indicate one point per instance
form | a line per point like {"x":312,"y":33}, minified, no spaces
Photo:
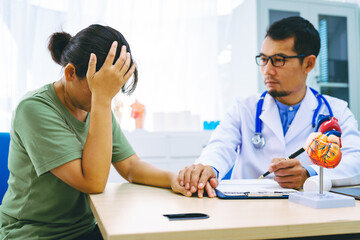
{"x":129,"y":178}
{"x":94,"y":188}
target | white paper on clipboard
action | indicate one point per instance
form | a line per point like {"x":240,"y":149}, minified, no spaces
{"x":252,"y":188}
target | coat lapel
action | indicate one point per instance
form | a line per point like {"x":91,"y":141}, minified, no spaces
{"x":271,"y":118}
{"x":303,"y":116}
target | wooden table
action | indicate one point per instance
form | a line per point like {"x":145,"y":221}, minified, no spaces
{"x":131,"y":211}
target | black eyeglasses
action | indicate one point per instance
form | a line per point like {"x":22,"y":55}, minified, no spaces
{"x":276,"y":60}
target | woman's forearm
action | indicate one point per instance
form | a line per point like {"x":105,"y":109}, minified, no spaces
{"x":96,"y":159}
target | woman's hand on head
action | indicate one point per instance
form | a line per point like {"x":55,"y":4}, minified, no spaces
{"x":108,"y":81}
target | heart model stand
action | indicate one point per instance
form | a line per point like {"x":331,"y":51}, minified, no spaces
{"x":323,"y":147}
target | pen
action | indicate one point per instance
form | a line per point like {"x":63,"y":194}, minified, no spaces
{"x":294,"y":155}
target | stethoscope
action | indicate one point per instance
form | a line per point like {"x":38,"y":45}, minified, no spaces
{"x":259,"y":141}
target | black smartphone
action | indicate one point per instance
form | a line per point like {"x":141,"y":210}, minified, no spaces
{"x":186,"y":216}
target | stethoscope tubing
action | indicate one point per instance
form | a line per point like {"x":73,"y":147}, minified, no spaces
{"x":258,"y":122}
{"x":258,"y":113}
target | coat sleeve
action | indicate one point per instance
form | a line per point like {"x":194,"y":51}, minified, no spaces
{"x":221,"y":150}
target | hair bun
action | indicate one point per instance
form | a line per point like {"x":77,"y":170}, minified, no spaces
{"x":57,"y":44}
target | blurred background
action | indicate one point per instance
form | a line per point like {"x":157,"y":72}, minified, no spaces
{"x":194,"y":56}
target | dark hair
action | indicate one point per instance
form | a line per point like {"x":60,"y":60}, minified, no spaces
{"x":95,"y":39}
{"x":306,"y":37}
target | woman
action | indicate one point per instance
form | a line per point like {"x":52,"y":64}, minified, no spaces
{"x":64,"y":138}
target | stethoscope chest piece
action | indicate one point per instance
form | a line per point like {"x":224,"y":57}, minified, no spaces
{"x":258,"y":141}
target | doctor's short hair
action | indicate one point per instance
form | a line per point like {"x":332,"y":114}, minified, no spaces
{"x":96,"y":39}
{"x":306,"y":37}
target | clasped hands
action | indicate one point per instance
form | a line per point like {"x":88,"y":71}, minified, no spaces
{"x":198,"y":178}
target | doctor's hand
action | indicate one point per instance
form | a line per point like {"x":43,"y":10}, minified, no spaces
{"x":289,"y":173}
{"x":198,"y":178}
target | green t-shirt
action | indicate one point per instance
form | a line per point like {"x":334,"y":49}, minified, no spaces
{"x":44,"y":135}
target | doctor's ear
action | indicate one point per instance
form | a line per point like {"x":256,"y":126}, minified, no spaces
{"x":309,"y":63}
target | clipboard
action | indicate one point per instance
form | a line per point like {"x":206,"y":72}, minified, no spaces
{"x":350,"y":191}
{"x":252,"y":189}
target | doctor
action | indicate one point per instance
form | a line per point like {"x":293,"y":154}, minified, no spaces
{"x":259,"y":132}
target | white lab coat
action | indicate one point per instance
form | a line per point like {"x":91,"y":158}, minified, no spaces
{"x":231,"y":142}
